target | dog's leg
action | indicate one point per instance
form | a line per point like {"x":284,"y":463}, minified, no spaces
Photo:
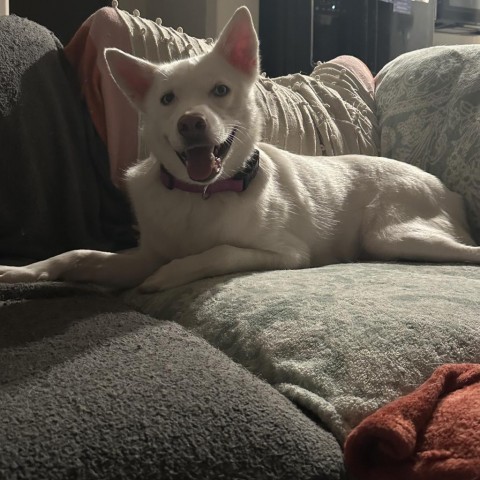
{"x":220,"y":260}
{"x":118,"y":270}
{"x":423,"y":242}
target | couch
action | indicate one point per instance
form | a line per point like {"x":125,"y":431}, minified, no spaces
{"x":260,"y":375}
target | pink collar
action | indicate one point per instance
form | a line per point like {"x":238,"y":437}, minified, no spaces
{"x":238,"y":183}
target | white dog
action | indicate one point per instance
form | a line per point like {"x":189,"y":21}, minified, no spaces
{"x":211,"y":200}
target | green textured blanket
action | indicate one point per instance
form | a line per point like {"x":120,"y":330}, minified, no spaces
{"x":340,"y":340}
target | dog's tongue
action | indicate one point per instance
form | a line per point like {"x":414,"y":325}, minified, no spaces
{"x":200,"y":163}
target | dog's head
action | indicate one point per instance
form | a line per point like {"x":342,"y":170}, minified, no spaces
{"x":201,"y":119}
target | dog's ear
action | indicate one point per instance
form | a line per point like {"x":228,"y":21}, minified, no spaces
{"x":133,"y":75}
{"x":238,"y":43}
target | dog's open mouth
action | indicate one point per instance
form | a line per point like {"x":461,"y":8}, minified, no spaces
{"x":204,"y":162}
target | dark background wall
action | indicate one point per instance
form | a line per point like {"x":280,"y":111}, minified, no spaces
{"x":285,"y":36}
{"x":296,"y":33}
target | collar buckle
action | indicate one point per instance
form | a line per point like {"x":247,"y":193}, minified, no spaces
{"x":206,"y":194}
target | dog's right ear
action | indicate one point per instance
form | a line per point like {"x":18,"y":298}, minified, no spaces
{"x":133,"y":75}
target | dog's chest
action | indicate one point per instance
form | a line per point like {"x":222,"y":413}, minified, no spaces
{"x":176,"y":224}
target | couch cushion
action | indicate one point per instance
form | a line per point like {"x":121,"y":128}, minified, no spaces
{"x":428,"y":105}
{"x":91,"y":389}
{"x":341,"y":340}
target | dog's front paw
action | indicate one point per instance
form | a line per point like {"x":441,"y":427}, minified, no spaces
{"x":155,"y":283}
{"x":10,"y":274}
{"x":148,"y":287}
{"x":168,"y":276}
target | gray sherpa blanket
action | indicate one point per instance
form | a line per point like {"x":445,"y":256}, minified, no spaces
{"x":340,"y":340}
{"x":91,"y":389}
{"x":55,"y":193}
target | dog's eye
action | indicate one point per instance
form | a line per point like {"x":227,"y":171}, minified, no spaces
{"x":167,"y":99}
{"x":220,"y":90}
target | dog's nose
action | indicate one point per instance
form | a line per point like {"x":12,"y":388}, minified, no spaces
{"x":191,"y":124}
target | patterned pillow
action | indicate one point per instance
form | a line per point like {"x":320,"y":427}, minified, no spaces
{"x":428,"y":105}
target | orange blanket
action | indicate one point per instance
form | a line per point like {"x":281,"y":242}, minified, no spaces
{"x":114,"y":118}
{"x":430,"y":434}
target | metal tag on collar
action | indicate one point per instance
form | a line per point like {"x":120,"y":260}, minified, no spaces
{"x":206,"y":194}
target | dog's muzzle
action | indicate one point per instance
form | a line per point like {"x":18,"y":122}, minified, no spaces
{"x":204,"y":160}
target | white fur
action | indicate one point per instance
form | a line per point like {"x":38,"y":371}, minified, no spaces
{"x":298,"y":211}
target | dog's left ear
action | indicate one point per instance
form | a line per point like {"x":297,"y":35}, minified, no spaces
{"x":238,"y":43}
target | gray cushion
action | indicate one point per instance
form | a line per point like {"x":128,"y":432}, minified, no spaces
{"x":340,"y":340}
{"x":91,"y":389}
